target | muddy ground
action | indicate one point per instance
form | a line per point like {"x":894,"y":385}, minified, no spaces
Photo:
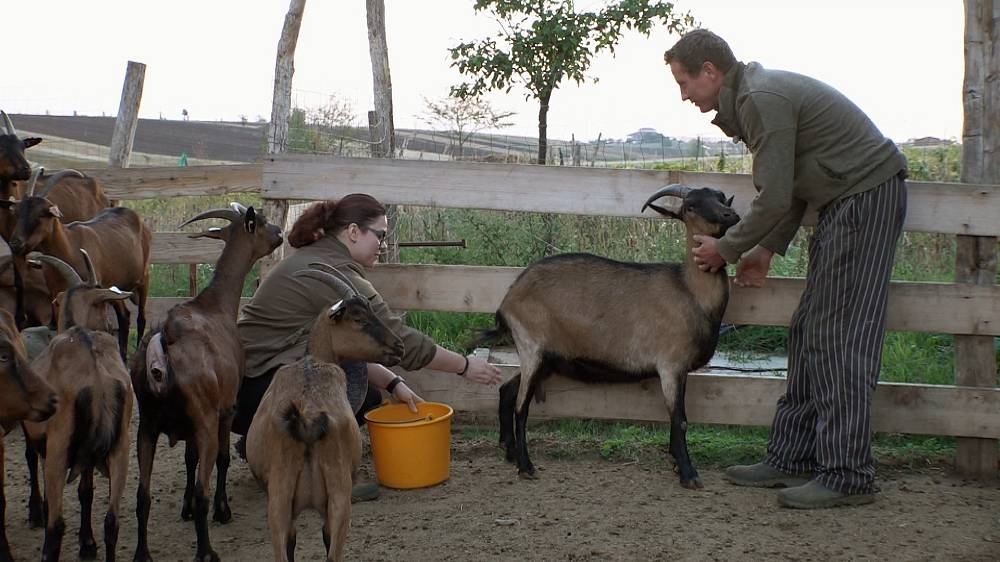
{"x":588,"y":509}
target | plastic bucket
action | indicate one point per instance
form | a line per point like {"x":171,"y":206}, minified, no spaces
{"x":411,"y":450}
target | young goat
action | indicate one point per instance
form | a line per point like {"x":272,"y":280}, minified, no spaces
{"x":191,"y":395}
{"x":117,"y":241}
{"x":304,"y":445}
{"x":23,"y":396}
{"x":599,"y":320}
{"x":90,"y":428}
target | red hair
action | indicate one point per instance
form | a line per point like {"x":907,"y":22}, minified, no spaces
{"x":330,"y":217}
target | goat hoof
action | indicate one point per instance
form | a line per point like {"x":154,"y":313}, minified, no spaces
{"x":88,"y":551}
{"x":527,"y":474}
{"x":209,"y":556}
{"x":187,"y":510}
{"x":35,"y":518}
{"x":692,"y":483}
{"x":142,"y":557}
{"x":222,"y":515}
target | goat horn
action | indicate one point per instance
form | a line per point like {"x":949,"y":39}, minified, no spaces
{"x":55,"y":178}
{"x":325,"y":277}
{"x":238,"y":208}
{"x":227,"y":214}
{"x":674,"y":190}
{"x":334,"y":271}
{"x":67,"y":271}
{"x":8,"y":124}
{"x":35,"y":174}
{"x":91,"y":272}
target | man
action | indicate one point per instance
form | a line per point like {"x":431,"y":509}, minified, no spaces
{"x":813,"y":149}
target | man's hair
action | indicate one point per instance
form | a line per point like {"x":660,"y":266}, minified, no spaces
{"x":700,"y":46}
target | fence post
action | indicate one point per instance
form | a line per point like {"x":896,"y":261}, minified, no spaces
{"x":128,"y":116}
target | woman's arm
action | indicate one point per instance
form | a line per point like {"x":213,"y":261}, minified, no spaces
{"x":473,"y":368}
{"x":382,"y":378}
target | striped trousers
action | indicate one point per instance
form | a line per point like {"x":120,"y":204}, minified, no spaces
{"x":823,"y":421}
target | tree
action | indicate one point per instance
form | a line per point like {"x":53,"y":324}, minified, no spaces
{"x":284,"y":68}
{"x":543,"y":42}
{"x":464,"y":117}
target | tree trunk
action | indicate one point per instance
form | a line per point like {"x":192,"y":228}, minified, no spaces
{"x":284,"y":68}
{"x":976,"y":256}
{"x":543,"y":126}
{"x":383,"y":108}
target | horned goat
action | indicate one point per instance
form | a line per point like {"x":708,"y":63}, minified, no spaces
{"x":303,"y":445}
{"x":186,"y":376}
{"x":117,"y":241}
{"x":23,"y":396}
{"x":638,"y":321}
{"x":14,"y":166}
{"x":90,"y":429}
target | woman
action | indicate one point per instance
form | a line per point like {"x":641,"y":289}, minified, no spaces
{"x":347,"y":234}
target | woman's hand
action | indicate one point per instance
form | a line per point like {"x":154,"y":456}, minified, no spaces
{"x":752,"y":269}
{"x":481,"y":371}
{"x":402,"y":393}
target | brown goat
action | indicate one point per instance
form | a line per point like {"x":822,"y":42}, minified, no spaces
{"x":90,"y":429}
{"x":600,"y":320}
{"x":304,"y":446}
{"x":14,"y":166}
{"x":193,"y":397}
{"x":117,"y":241}
{"x":23,"y":396}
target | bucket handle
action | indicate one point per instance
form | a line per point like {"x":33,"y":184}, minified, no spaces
{"x":393,"y":422}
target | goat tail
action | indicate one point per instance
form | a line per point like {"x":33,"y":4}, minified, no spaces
{"x":304,"y":430}
{"x":498,"y":334}
{"x":97,"y":422}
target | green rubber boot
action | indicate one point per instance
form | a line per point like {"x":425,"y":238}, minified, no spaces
{"x":762,"y":475}
{"x":365,"y":491}
{"x":814,"y":495}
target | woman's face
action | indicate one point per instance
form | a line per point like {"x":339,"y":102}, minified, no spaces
{"x":367,"y":242}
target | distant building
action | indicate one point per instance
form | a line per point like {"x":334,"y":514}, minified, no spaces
{"x":925,"y":142}
{"x":645,"y":134}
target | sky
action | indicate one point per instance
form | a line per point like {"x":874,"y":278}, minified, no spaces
{"x":901,"y":61}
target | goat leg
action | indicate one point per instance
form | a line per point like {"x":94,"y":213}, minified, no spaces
{"x":5,"y":555}
{"x":525,"y":469}
{"x":221,"y":511}
{"x":123,"y":317}
{"x":146,"y":452}
{"x":36,"y":510}
{"x":191,"y":463}
{"x":207,"y":444}
{"x":117,"y":475}
{"x":85,"y":492}
{"x":280,"y":523}
{"x":678,"y":439}
{"x":55,"y":527}
{"x":508,"y":399}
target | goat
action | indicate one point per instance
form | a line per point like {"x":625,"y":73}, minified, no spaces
{"x":638,"y":321}
{"x":304,"y":445}
{"x":117,"y":241}
{"x":193,"y":396}
{"x":14,"y":166}
{"x":23,"y":396}
{"x":90,"y":429}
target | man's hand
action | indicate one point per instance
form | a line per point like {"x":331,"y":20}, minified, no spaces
{"x":753,"y":267}
{"x":706,"y":256}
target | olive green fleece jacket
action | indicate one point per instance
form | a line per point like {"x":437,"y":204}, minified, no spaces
{"x":811,"y":146}
{"x":274,"y":326}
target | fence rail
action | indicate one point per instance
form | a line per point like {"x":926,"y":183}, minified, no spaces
{"x":948,"y":208}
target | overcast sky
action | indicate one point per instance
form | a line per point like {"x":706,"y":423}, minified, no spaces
{"x":899,"y":60}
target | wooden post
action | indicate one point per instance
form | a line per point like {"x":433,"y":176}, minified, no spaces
{"x":276,"y":210}
{"x":128,"y":116}
{"x":383,"y":119}
{"x":976,"y":257}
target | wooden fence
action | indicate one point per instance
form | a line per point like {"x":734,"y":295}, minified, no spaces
{"x":970,"y":311}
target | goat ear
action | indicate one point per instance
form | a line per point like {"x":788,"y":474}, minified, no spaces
{"x":31,"y":141}
{"x":729,"y":202}
{"x":114,"y":294}
{"x":250,"y":220}
{"x":55,"y":212}
{"x":336,"y":311}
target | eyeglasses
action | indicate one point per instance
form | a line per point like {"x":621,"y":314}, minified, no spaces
{"x":380,"y":234}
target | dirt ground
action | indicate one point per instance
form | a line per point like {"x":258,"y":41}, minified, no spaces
{"x":577,"y":510}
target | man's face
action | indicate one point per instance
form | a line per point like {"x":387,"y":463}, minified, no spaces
{"x":701,"y":90}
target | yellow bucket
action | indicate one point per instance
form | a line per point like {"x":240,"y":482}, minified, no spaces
{"x":411,"y":450}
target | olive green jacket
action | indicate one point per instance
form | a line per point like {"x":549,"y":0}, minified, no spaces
{"x":811,"y":146}
{"x":275,"y":324}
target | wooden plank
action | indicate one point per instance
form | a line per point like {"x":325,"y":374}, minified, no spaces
{"x":933,"y":207}
{"x":153,"y":183}
{"x":128,"y":116}
{"x":726,"y":399}
{"x":921,"y":307}
{"x":177,"y":247}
